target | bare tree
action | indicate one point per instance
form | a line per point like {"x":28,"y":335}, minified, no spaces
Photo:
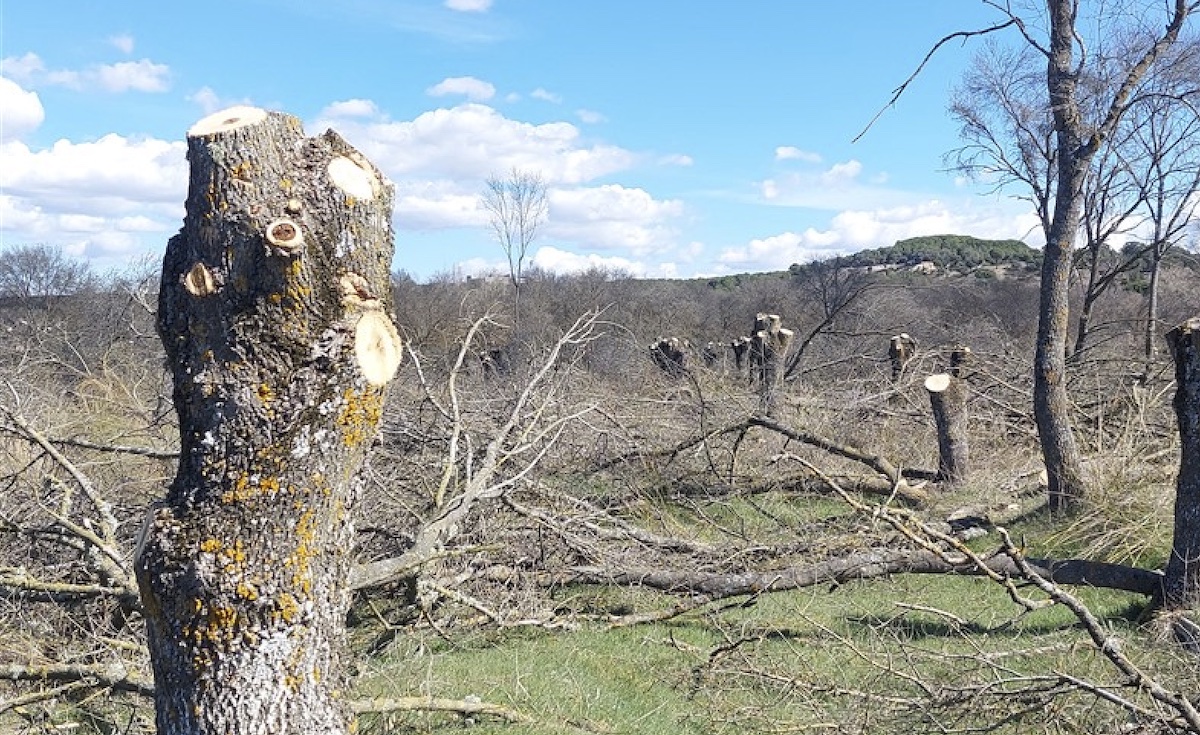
{"x":517,"y":206}
{"x":1089,"y":90}
{"x":38,"y":273}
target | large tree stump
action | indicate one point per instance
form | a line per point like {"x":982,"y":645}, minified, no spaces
{"x":1181,"y":586}
{"x":274,"y":312}
{"x":948,"y":400}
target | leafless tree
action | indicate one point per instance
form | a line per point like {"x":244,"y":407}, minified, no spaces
{"x":38,"y":273}
{"x":1089,"y":90}
{"x":516,"y":206}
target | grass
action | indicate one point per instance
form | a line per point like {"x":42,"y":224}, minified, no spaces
{"x":810,"y":659}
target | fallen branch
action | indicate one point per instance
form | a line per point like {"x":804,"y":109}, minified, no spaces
{"x":467,"y":707}
{"x":866,"y":565}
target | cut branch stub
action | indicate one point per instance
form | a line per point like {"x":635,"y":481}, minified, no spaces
{"x":279,"y":384}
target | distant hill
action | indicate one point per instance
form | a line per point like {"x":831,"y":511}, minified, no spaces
{"x":949,"y":252}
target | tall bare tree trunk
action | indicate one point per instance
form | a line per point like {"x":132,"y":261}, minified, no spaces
{"x":1051,"y":407}
{"x":274,"y":312}
{"x":1181,"y":587}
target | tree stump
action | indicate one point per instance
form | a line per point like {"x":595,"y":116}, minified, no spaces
{"x":901,"y":349}
{"x":769,"y":344}
{"x":1181,"y":586}
{"x":274,"y":310}
{"x":948,"y":399}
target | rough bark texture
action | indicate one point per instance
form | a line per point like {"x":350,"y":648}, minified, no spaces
{"x":274,"y":312}
{"x":1051,"y":406}
{"x":1181,"y":589}
{"x":948,"y":400}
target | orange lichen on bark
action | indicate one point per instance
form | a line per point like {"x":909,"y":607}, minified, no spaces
{"x":360,"y":415}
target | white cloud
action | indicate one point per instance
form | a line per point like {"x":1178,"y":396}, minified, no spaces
{"x":105,"y":199}
{"x":855,"y":229}
{"x":123,"y":76}
{"x":23,"y":69}
{"x":468,"y":143}
{"x":591,"y":117}
{"x":123,"y":42}
{"x":469,"y":6}
{"x":792,"y":153}
{"x":21,"y":111}
{"x":469,"y":87}
{"x":675,"y":159}
{"x":840,"y":186}
{"x":545,"y":96}
{"x":140,"y":76}
{"x":561,"y":261}
{"x":614,"y":217}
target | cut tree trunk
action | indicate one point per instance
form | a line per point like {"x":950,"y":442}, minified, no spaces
{"x":769,"y":344}
{"x":948,"y":399}
{"x":1181,"y":589}
{"x":901,"y":349}
{"x":274,"y":312}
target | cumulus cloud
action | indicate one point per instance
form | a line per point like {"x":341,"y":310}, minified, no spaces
{"x":139,"y":76}
{"x":614,"y":217}
{"x":561,"y":261}
{"x":855,"y":229}
{"x":792,"y":153}
{"x":470,"y":142}
{"x":111,"y":197}
{"x":469,"y":87}
{"x":22,"y":111}
{"x":469,"y":6}
{"x":123,"y":76}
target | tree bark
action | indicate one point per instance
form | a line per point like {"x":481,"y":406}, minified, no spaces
{"x":769,"y":344}
{"x":948,"y":400}
{"x":1181,"y":588}
{"x":1067,"y":482}
{"x":274,"y":312}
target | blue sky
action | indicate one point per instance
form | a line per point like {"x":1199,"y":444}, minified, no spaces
{"x":677,"y":138}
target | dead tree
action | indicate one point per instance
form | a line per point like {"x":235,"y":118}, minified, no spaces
{"x":274,"y":312}
{"x":901,"y":349}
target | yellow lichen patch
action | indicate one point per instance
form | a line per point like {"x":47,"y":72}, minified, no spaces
{"x":289,"y":609}
{"x":247,"y":487}
{"x":360,"y":415}
{"x":210,"y":545}
{"x":242,"y":170}
{"x":265,"y":392}
{"x":247,"y":591}
{"x":306,"y":549}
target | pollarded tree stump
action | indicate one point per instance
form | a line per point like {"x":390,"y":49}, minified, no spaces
{"x":1181,"y":586}
{"x":274,"y":310}
{"x":901,"y":349}
{"x":948,"y":400}
{"x":769,"y":344}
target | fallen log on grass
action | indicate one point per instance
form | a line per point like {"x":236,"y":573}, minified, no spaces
{"x":864,"y":565}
